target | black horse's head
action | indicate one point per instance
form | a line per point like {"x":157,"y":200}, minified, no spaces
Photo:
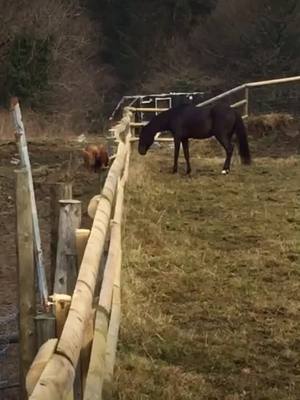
{"x":159,"y":123}
{"x":146,"y":139}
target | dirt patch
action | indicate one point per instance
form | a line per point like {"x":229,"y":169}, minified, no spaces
{"x":49,"y":161}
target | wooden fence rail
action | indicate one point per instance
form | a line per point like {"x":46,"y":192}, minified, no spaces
{"x":55,"y":379}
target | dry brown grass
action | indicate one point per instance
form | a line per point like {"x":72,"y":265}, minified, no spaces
{"x":39,"y":126}
{"x":42,"y":126}
{"x":211,"y":281}
{"x":261,"y":125}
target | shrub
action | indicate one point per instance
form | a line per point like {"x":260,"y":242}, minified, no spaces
{"x":28,"y":67}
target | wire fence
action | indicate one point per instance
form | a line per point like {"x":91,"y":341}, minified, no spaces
{"x":9,"y":369}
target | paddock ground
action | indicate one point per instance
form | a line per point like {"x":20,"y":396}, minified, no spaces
{"x":211,"y":279}
{"x":210,"y":294}
{"x":49,"y":159}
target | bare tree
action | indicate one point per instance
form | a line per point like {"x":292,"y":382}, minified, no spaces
{"x":78,"y":80}
{"x":245,"y":39}
{"x":173,"y":68}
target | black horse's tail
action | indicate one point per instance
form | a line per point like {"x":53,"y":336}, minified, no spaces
{"x":241,"y":133}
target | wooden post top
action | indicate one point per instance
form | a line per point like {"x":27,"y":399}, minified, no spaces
{"x":69,"y":201}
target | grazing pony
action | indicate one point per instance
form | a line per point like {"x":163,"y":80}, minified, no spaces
{"x":95,"y":157}
{"x":187,"y":121}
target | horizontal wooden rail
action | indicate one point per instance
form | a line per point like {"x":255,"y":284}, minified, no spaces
{"x":221,"y":96}
{"x":138,"y":124}
{"x":112,"y":334}
{"x":273,"y":81}
{"x":239,"y":103}
{"x":114,"y":325}
{"x":144,"y":109}
{"x":158,"y":140}
{"x":248,"y":85}
{"x":98,"y":366}
{"x":143,"y":96}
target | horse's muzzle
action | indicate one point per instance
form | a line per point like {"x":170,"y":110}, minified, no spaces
{"x":142,"y":150}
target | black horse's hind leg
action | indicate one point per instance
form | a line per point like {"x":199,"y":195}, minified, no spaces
{"x":225,"y":141}
{"x":185,"y":145}
{"x":176,"y":155}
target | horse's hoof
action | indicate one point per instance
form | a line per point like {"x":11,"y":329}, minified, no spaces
{"x":225,"y":171}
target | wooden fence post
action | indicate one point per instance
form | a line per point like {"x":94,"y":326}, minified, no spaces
{"x":66,"y":264}
{"x":26,"y":275}
{"x":82,"y":236}
{"x":58,"y":191}
{"x":25,"y":163}
{"x":45,"y":327}
{"x":62,"y":304}
{"x":67,"y":269}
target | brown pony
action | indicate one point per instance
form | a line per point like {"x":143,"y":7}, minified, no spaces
{"x":95,"y":157}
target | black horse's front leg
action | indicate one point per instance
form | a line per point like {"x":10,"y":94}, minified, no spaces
{"x":185,"y":145}
{"x":176,"y":155}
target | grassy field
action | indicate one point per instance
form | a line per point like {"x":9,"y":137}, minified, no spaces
{"x":211,"y":278}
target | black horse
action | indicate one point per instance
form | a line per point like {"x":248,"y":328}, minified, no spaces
{"x":187,"y":121}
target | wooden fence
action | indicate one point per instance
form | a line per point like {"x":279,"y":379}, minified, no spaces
{"x":78,"y":363}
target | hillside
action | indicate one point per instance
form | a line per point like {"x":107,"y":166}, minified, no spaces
{"x":72,"y":61}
